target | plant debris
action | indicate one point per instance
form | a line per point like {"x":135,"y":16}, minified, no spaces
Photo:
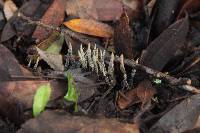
{"x":53,"y":16}
{"x":142,"y":93}
{"x":175,"y":121}
{"x":75,"y":123}
{"x":90,"y":27}
{"x":122,"y":65}
{"x":95,"y":9}
{"x":163,"y":48}
{"x":123,"y":37}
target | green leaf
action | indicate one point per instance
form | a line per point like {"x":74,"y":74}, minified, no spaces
{"x":41,"y":99}
{"x":157,"y":81}
{"x":71,"y":93}
{"x":56,"y":46}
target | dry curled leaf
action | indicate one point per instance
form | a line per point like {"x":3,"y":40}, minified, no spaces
{"x":142,"y":93}
{"x":53,"y":16}
{"x":163,"y":48}
{"x":123,"y":37}
{"x":90,"y":27}
{"x":104,"y":10}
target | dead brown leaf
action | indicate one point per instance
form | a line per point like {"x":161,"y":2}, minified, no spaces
{"x":133,"y":8}
{"x":104,"y":10}
{"x":90,"y":27}
{"x":8,"y":32}
{"x":18,"y":95}
{"x":33,"y":9}
{"x":53,"y":16}
{"x":30,"y":7}
{"x":61,"y":122}
{"x":123,"y":37}
{"x":189,"y":6}
{"x":142,"y":93}
{"x":163,"y":48}
{"x":85,"y":85}
{"x":8,"y":64}
{"x":180,"y":118}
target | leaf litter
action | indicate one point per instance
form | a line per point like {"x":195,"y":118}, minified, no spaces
{"x":148,"y":90}
{"x":102,"y":10}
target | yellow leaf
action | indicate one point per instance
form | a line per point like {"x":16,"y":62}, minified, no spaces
{"x":90,"y":27}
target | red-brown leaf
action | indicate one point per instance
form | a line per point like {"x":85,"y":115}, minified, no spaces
{"x":53,"y":16}
{"x":123,"y":37}
{"x":104,"y":10}
{"x":142,"y":93}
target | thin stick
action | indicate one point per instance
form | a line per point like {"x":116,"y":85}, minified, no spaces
{"x":63,"y":30}
{"x":19,"y":77}
{"x":183,"y":83}
{"x":172,"y":80}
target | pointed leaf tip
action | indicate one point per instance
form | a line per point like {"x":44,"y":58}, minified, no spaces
{"x":41,"y":99}
{"x":90,"y":27}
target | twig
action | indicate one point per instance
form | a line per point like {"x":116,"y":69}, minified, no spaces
{"x":190,"y":88}
{"x":63,"y":30}
{"x":172,"y":80}
{"x":19,"y":77}
{"x":183,"y":83}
